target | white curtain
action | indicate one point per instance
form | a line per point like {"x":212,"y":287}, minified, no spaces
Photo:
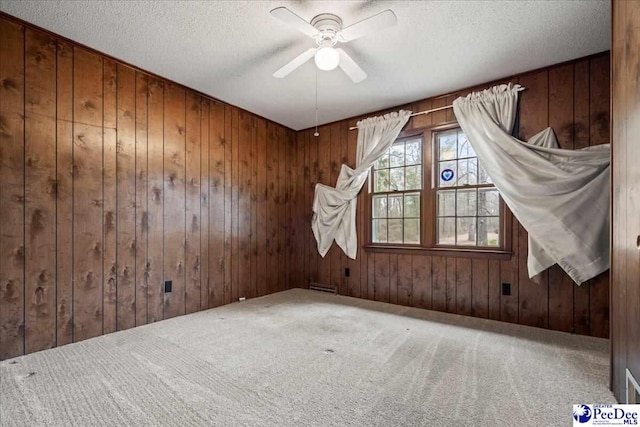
{"x":561,"y":197}
{"x":334,"y":209}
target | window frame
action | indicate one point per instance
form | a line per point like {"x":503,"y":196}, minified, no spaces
{"x":371,"y":194}
{"x":428,"y":211}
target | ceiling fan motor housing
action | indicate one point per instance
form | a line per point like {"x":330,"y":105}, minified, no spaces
{"x":328,"y":26}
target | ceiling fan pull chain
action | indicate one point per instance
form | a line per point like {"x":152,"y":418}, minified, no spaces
{"x":316,"y":134}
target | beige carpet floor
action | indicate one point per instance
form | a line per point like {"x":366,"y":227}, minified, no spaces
{"x":303,"y":358}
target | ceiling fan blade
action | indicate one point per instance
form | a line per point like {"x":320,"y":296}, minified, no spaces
{"x":350,"y":68}
{"x":288,"y":17}
{"x":369,"y":25}
{"x":297,"y":61}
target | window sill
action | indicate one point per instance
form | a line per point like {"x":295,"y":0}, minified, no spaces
{"x":446,"y":252}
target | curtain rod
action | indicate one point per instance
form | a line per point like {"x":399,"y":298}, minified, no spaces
{"x":433,"y":110}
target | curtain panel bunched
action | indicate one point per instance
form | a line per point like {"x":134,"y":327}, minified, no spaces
{"x":561,"y":197}
{"x":334,"y":209}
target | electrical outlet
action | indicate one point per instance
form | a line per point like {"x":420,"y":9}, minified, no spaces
{"x":167,"y":286}
{"x":347,"y":272}
{"x":506,"y":289}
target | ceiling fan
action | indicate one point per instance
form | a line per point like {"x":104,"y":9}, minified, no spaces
{"x":326,"y":29}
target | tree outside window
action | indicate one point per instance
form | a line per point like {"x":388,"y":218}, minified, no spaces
{"x":468,"y":205}
{"x":397,"y":188}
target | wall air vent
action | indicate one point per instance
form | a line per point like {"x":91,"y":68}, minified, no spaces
{"x":323,"y":288}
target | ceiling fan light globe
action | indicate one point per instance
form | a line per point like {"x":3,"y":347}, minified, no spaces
{"x":327,"y":58}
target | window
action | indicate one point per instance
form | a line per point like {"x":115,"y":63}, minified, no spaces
{"x":397,"y":185}
{"x":429,"y":193}
{"x":468,"y":205}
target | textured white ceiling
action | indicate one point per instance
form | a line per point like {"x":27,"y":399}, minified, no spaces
{"x":229,"y":49}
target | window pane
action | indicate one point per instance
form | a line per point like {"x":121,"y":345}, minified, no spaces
{"x":380,"y":206}
{"x":413,"y":177}
{"x":379,"y":231}
{"x":447,"y":173}
{"x":447,"y":203}
{"x":466,"y":232}
{"x":412,"y":205}
{"x":489,"y":231}
{"x":466,"y":205}
{"x":381,"y":180}
{"x":395,"y":231}
{"x":447,"y":145}
{"x":446,"y":231}
{"x":396,"y":155}
{"x":468,"y":172}
{"x":488,"y":202}
{"x":464,"y":147}
{"x":396,"y":181}
{"x":483,"y":178}
{"x":412,"y":231}
{"x":395,"y":206}
{"x":414,"y":152}
{"x":383,"y":162}
{"x":465,"y":216}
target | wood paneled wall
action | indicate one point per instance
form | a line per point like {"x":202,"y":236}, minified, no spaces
{"x":625,"y":266}
{"x":113,"y":181}
{"x":573,"y":98}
